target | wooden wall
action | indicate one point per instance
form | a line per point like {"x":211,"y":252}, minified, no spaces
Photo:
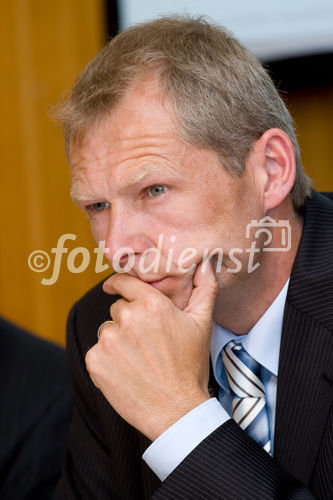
{"x":44,"y":44}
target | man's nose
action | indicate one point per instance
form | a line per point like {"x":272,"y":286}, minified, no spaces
{"x":126,"y":235}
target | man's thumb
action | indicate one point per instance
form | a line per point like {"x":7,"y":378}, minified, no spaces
{"x":202,"y":300}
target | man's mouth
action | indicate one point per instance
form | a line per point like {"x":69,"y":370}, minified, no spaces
{"x":150,"y":280}
{"x":156,"y":283}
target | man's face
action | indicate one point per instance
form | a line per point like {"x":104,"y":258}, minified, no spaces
{"x":143,"y":187}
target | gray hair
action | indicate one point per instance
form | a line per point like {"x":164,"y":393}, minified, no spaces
{"x":220,"y":94}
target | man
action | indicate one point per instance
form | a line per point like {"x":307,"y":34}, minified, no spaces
{"x":36,"y":409}
{"x":178,"y":144}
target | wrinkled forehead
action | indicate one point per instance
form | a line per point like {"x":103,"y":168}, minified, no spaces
{"x":139,"y":124}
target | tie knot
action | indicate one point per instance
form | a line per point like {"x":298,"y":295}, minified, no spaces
{"x":243,"y":372}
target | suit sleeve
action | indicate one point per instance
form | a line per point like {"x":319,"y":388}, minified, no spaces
{"x":228,"y":464}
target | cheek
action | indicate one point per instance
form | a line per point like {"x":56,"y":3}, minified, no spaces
{"x":178,"y":243}
{"x":99,"y":228}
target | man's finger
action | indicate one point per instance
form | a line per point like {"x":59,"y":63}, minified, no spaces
{"x":102,"y":327}
{"x":116,"y":307}
{"x":129,"y":287}
{"x":202,"y":300}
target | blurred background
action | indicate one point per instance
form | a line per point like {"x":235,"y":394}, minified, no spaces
{"x":44,"y":45}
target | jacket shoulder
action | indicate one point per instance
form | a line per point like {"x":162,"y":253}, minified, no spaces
{"x":26,"y":356}
{"x":328,"y":195}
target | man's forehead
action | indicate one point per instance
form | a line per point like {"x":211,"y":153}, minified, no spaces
{"x":121,"y":137}
{"x":134,"y":125}
{"x":141,"y":113}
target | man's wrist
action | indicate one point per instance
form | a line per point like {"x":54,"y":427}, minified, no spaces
{"x":171,"y":417}
{"x":173,"y":446}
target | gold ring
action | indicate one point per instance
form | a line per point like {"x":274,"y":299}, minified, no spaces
{"x":108,"y":322}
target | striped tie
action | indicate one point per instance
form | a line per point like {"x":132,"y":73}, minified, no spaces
{"x":248,"y":392}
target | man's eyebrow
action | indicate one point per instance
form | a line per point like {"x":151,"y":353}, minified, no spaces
{"x":78,"y":195}
{"x":144,"y":172}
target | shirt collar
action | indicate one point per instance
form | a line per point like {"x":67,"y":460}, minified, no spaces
{"x":263,"y":340}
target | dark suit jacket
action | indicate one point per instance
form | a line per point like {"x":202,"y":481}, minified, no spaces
{"x":35,"y":411}
{"x":104,"y":455}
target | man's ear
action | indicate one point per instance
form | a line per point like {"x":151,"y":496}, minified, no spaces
{"x":280,"y":166}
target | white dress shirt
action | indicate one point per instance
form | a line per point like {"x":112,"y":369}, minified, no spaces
{"x":263,"y":344}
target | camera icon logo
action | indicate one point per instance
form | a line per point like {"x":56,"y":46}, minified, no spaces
{"x":267,"y":225}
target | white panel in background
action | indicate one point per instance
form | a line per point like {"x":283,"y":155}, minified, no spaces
{"x":272,"y":29}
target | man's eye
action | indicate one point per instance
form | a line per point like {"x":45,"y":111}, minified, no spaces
{"x":157,"y":190}
{"x":99,"y":206}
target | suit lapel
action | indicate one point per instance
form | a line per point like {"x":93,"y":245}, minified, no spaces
{"x":304,"y":394}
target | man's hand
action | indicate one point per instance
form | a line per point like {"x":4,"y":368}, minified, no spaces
{"x":152,"y":363}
